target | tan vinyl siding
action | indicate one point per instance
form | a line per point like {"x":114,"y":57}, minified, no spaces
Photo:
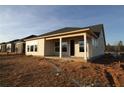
{"x":40,"y":47}
{"x":20,"y":47}
{"x":99,"y":49}
{"x":0,"y":48}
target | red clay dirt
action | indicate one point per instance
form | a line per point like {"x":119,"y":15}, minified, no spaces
{"x":28,"y":71}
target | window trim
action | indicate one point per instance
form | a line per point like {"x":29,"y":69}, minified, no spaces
{"x":35,"y":48}
{"x":80,"y":45}
{"x":28,"y":48}
{"x":32,"y":48}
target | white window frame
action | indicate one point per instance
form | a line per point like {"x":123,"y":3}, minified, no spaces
{"x":80,"y":41}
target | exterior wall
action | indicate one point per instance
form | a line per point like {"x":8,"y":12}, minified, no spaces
{"x":20,"y":47}
{"x":3,"y":48}
{"x":9,"y":47}
{"x":89,"y":48}
{"x":49,"y":48}
{"x":13,"y":49}
{"x":100,"y":46}
{"x":0,"y":48}
{"x":40,"y":47}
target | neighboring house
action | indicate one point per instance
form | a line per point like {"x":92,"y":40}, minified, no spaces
{"x":3,"y":47}
{"x":16,"y":46}
{"x":87,"y":43}
{"x":0,"y":47}
{"x":10,"y":46}
{"x":20,"y":45}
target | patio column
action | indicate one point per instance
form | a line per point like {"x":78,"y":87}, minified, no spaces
{"x":60,"y":47}
{"x":85,"y":46}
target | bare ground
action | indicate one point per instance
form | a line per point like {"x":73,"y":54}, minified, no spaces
{"x":28,"y":71}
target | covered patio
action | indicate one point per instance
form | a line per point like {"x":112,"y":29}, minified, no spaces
{"x":74,"y":45}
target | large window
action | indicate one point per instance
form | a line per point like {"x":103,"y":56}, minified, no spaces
{"x":81,"y":46}
{"x":28,"y":48}
{"x":56,"y":46}
{"x":35,"y":48}
{"x":64,"y":46}
{"x":31,"y":48}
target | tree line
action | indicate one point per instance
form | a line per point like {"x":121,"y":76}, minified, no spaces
{"x":119,"y":47}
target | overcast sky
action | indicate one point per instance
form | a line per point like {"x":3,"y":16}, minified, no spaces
{"x":21,"y":21}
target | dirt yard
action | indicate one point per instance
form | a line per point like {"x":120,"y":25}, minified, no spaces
{"x":23,"y":71}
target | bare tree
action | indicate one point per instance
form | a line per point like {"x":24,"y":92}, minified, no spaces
{"x":118,"y":50}
{"x":119,"y":47}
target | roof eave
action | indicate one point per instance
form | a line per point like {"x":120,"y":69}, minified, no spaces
{"x":46,"y":36}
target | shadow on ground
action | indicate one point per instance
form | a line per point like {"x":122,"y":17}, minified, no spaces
{"x":108,"y":59}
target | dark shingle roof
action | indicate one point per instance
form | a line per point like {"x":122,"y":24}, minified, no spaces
{"x":2,"y":43}
{"x":28,"y":37}
{"x":66,"y":29}
{"x":95,"y":28}
{"x":13,"y":41}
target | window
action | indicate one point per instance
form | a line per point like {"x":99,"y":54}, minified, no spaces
{"x":64,"y":46}
{"x":31,"y":48}
{"x":81,"y":46}
{"x":35,"y":48}
{"x":28,"y":48}
{"x":56,"y":46}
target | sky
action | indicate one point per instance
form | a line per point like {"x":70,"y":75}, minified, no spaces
{"x":20,"y":21}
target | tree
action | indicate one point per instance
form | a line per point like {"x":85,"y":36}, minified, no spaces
{"x":119,"y":46}
{"x":108,"y":48}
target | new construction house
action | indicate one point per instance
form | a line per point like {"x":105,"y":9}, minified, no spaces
{"x":10,"y":46}
{"x":87,"y":43}
{"x":20,"y":45}
{"x":15,"y":46}
{"x":3,"y":47}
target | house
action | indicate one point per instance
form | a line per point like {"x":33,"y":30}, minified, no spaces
{"x":87,"y":43}
{"x":10,"y":46}
{"x":0,"y":47}
{"x":20,"y":45}
{"x":3,"y":47}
